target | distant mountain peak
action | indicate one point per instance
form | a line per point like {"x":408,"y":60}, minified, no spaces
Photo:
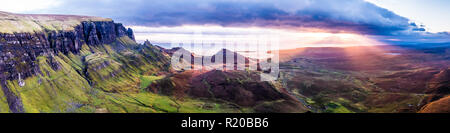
{"x":147,"y":42}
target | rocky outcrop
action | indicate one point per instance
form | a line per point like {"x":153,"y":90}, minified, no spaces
{"x":19,"y":51}
{"x":238,"y":87}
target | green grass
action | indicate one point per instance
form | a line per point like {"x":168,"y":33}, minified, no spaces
{"x":52,"y":91}
{"x":127,"y":41}
{"x":61,"y":90}
{"x":393,"y":106}
{"x":146,"y":102}
{"x":85,"y":50}
{"x":334,"y":107}
{"x":187,"y":105}
{"x":117,"y":86}
{"x":10,"y":23}
{"x":147,"y":80}
{"x":109,"y":75}
{"x":114,"y":69}
{"x":4,"y":108}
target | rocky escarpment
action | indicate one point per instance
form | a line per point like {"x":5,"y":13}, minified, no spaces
{"x":65,"y":63}
{"x":19,"y":51}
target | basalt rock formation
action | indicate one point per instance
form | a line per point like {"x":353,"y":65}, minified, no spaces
{"x":65,"y":63}
{"x":20,"y":48}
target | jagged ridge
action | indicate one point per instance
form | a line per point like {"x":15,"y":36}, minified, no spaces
{"x":19,"y":51}
{"x":96,"y":67}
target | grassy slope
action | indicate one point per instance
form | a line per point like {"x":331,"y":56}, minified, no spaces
{"x":10,"y":23}
{"x":376,"y":82}
{"x":148,"y":80}
{"x":338,"y":91}
{"x":53,"y":91}
{"x":107,"y":78}
{"x":135,"y":71}
{"x":116,"y":85}
{"x":4,"y":108}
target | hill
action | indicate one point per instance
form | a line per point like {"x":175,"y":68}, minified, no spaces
{"x":17,"y":23}
{"x":64,"y":63}
{"x":439,"y":106}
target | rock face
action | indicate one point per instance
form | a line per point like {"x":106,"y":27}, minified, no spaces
{"x":19,"y":51}
{"x":65,"y":63}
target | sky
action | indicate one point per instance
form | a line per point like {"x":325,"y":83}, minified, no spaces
{"x":296,"y":22}
{"x":432,"y":13}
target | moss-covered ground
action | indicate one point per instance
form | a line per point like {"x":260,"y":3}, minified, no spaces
{"x":104,"y":79}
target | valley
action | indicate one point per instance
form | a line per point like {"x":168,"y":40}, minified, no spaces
{"x":365,"y":79}
{"x":81,"y":64}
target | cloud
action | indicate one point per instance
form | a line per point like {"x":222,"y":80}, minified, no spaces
{"x":26,"y":5}
{"x":332,"y":15}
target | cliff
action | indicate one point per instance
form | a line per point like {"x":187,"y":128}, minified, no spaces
{"x":24,"y":38}
{"x":66,"y":63}
{"x":20,"y":50}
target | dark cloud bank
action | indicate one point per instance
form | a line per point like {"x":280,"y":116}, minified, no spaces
{"x":335,"y":15}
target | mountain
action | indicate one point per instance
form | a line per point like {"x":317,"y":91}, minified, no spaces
{"x":239,"y":88}
{"x":67,"y":63}
{"x":367,"y":78}
{"x":438,"y":89}
{"x":59,"y":63}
